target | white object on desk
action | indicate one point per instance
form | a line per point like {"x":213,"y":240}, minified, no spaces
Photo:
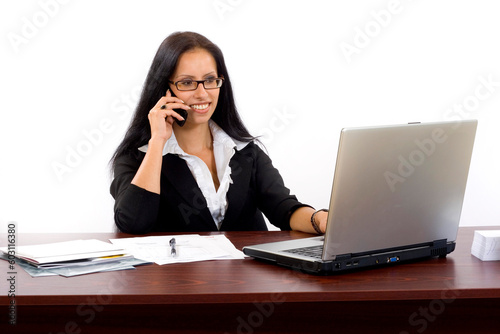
{"x":486,"y":245}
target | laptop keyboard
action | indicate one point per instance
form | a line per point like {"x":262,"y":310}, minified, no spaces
{"x":313,"y":251}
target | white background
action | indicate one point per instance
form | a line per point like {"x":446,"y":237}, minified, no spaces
{"x":72,"y":68}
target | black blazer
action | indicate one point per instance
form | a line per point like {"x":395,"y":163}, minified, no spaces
{"x":181,"y":207}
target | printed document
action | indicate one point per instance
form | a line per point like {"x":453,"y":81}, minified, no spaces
{"x":189,"y":248}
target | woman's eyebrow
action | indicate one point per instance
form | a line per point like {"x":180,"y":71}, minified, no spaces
{"x":189,"y":76}
{"x":213,"y":73}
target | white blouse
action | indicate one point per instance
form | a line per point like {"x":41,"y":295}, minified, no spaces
{"x":224,"y":148}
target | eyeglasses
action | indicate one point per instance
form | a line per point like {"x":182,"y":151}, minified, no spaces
{"x":188,"y":84}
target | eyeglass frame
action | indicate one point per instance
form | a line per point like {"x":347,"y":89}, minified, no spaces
{"x":197,"y":84}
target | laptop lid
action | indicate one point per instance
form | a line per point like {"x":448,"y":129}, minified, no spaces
{"x":398,"y":185}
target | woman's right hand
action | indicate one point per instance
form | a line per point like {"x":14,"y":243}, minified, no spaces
{"x":161,"y":120}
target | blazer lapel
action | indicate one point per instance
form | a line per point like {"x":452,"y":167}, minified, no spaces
{"x":241,"y":173}
{"x":178,"y":174}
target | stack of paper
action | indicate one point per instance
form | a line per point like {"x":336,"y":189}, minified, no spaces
{"x":486,"y":245}
{"x":71,"y":258}
{"x":68,"y":253}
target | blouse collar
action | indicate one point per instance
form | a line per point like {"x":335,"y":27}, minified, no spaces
{"x":220,"y":137}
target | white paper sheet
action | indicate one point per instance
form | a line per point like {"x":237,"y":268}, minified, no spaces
{"x":189,"y":248}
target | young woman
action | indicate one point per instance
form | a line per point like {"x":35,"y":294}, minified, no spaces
{"x":207,"y":174}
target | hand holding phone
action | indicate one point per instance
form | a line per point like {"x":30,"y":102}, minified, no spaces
{"x":181,"y":112}
{"x":184,"y":115}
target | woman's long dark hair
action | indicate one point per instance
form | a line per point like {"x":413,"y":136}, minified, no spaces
{"x":156,"y":85}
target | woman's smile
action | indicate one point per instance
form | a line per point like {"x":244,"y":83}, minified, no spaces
{"x":200,"y":108}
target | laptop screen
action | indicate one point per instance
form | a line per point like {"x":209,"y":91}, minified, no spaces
{"x":398,"y":185}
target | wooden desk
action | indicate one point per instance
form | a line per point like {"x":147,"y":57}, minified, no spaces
{"x":459,"y":294}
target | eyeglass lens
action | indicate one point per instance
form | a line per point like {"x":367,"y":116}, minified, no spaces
{"x":192,"y":85}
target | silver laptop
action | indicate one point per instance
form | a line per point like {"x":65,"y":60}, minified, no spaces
{"x":397,"y":196}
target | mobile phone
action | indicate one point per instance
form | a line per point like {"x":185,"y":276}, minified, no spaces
{"x":184,"y":114}
{"x":181,"y":112}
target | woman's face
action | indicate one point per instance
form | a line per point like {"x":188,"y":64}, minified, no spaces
{"x":197,"y":64}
